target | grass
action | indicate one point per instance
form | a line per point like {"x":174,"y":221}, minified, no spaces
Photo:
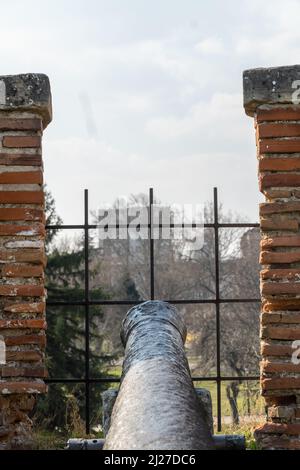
{"x":57,"y":440}
{"x":46,"y":440}
{"x":246,"y":429}
{"x":256,"y":402}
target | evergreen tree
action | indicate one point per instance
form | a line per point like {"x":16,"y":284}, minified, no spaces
{"x":65,"y":353}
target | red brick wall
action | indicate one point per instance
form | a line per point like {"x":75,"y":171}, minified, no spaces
{"x":278,"y":148}
{"x":22,"y":261}
{"x":23,"y":115}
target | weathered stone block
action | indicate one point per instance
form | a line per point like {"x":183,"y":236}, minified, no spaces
{"x":270,"y":86}
{"x":27,"y":92}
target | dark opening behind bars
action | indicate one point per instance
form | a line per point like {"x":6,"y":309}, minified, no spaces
{"x":88,"y":380}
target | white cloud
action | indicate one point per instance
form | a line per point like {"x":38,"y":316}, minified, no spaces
{"x":210,"y":46}
{"x":220,"y":115}
{"x":109,"y":174}
{"x":282,"y":48}
{"x":165,"y":89}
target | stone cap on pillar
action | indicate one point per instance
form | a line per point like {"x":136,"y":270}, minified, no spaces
{"x":27,"y":92}
{"x":269,"y":86}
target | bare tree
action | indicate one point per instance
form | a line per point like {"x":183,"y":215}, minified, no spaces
{"x":122,"y":268}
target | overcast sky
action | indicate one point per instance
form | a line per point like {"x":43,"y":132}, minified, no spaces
{"x":149,"y":93}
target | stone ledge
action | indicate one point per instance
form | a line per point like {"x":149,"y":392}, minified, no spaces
{"x":32,"y":387}
{"x":27,"y":92}
{"x":269,"y":86}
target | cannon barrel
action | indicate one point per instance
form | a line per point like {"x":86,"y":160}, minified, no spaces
{"x":146,"y":415}
{"x":109,"y":398}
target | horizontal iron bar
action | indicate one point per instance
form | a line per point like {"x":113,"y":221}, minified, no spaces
{"x":68,"y":227}
{"x":226,"y":378}
{"x":137,"y":302}
{"x":83,"y":381}
{"x":117,"y":226}
{"x":117,"y":379}
{"x":233,"y":225}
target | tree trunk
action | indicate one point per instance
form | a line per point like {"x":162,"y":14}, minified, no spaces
{"x":248,"y":392}
{"x":232,"y":391}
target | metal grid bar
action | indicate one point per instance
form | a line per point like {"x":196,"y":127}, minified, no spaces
{"x":160,"y":225}
{"x":137,"y":302}
{"x":117,"y":380}
{"x":151,"y":245}
{"x":87,"y":311}
{"x":218,"y":326}
{"x":87,"y":302}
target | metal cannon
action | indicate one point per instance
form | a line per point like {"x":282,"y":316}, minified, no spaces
{"x":157,"y":406}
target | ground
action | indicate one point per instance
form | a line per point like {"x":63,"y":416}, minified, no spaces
{"x":46,"y":439}
{"x":56,"y":440}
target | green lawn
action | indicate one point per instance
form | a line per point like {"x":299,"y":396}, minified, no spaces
{"x":53,"y":440}
{"x":57,"y":440}
{"x":47,"y":440}
{"x":254,"y":401}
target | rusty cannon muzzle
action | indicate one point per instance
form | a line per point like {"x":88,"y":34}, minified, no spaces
{"x":157,"y":406}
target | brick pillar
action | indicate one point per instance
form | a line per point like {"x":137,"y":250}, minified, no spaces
{"x":25,"y":110}
{"x":271,"y":97}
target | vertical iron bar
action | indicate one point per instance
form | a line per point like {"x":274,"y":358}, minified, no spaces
{"x":151,"y":244}
{"x":87,"y":379}
{"x":87,"y":307}
{"x":218,"y":332}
